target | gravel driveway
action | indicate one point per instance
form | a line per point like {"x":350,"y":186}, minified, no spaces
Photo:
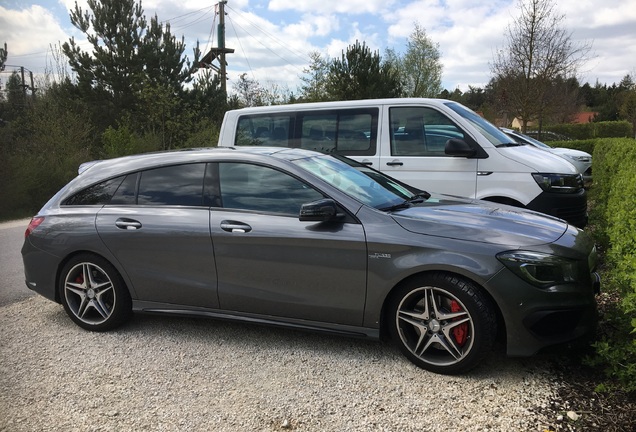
{"x":173,"y":374}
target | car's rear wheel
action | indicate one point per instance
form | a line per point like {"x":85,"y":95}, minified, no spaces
{"x":442,"y":323}
{"x":94,"y":294}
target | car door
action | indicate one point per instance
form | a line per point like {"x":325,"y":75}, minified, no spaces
{"x":413,"y":151}
{"x":159,"y":233}
{"x":271,"y":263}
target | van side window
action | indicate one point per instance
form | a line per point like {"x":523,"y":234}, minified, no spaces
{"x":347,"y":132}
{"x":264,"y":130}
{"x":420,"y":131}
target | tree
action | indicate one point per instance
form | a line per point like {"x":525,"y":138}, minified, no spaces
{"x":127,"y":55}
{"x":15,"y":103}
{"x":628,"y":101}
{"x":315,"y":79}
{"x":249,"y":92}
{"x":361,"y":74}
{"x":3,"y":56}
{"x":420,"y":68}
{"x":532,"y":70}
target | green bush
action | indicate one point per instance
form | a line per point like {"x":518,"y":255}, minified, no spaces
{"x":584,"y":131}
{"x":614,"y":217}
{"x":583,"y":145}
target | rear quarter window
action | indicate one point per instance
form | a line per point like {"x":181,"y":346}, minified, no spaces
{"x":99,"y":194}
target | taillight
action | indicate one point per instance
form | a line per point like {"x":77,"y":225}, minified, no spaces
{"x":35,"y":222}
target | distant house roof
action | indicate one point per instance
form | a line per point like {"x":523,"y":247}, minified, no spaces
{"x":583,"y":117}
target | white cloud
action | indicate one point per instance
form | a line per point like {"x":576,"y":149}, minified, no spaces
{"x":276,"y":36}
{"x":351,"y":7}
{"x":29,"y":33}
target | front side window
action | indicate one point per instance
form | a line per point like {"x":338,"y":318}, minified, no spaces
{"x":263,"y":189}
{"x":421,"y":131}
{"x":487,"y":129}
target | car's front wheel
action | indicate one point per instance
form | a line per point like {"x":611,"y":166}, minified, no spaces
{"x":442,"y":323}
{"x":94,"y":294}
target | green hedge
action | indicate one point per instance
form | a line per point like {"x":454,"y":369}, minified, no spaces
{"x":583,"y":145}
{"x":584,"y":131}
{"x":614,"y":218}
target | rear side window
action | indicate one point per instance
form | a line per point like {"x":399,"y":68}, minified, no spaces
{"x":345,"y":131}
{"x":265,"y":130}
{"x":173,"y":185}
{"x":99,"y":194}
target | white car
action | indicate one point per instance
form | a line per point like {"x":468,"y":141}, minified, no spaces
{"x":581,"y":160}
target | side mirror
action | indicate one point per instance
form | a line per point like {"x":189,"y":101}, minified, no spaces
{"x":319,"y":211}
{"x":458,"y":147}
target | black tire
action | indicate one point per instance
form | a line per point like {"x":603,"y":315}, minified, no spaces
{"x":94,"y":294}
{"x":442,"y":323}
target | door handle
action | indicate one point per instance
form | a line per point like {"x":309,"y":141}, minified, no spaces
{"x":127,"y":224}
{"x":395,"y":163}
{"x":234,"y":226}
{"x":367,"y":163}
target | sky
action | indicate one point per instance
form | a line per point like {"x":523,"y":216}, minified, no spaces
{"x":274,"y":38}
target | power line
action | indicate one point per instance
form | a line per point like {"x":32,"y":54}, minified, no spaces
{"x":283,"y":44}
{"x":265,"y":46}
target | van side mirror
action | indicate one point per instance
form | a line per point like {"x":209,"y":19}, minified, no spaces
{"x":322,"y":210}
{"x":459,"y":147}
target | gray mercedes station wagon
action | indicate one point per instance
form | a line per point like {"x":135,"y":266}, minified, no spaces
{"x":306,"y":240}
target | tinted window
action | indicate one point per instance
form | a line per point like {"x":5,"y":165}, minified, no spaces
{"x":421,"y":131}
{"x":270,"y":130}
{"x":344,"y":131}
{"x":98,"y":194}
{"x":348,"y":132}
{"x":126,"y":192}
{"x":173,"y":185}
{"x":264,"y":189}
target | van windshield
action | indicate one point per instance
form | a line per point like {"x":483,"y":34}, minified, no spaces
{"x":358,"y":181}
{"x":487,"y":129}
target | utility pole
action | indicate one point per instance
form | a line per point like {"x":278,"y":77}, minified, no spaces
{"x":220,"y":51}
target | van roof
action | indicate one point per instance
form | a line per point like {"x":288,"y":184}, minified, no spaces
{"x":345,"y":104}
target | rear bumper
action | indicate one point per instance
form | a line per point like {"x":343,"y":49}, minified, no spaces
{"x":570,"y":207}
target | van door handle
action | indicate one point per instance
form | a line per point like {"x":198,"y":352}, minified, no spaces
{"x":234,"y":226}
{"x":127,"y":224}
{"x":395,"y":163}
{"x":366,"y":162}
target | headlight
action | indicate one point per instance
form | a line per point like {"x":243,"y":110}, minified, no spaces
{"x":540,"y":269}
{"x":579,"y":158}
{"x":559,"y":183}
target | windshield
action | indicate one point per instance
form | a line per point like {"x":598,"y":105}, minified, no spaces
{"x":356,"y":180}
{"x":534,"y":141}
{"x":487,"y":129}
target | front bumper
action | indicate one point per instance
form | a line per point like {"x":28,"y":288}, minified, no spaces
{"x":536,"y":319}
{"x":570,"y":207}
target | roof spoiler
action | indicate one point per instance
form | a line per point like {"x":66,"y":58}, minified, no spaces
{"x":86,"y":165}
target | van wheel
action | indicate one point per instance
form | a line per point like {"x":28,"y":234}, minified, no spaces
{"x":94,"y":294}
{"x":442,"y":323}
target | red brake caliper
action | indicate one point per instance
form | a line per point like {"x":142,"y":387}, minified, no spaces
{"x":460,"y":332}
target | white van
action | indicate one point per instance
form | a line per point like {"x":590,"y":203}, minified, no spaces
{"x":432,"y":144}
